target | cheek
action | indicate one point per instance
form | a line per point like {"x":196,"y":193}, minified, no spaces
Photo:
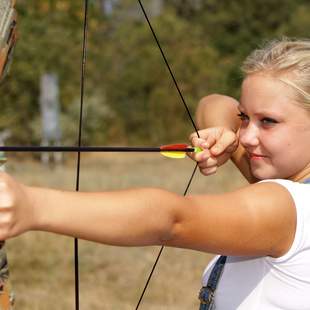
{"x":281,"y":140}
{"x":288,"y":153}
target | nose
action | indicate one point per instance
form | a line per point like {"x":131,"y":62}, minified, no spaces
{"x":249,"y":135}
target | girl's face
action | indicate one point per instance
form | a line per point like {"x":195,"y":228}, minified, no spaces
{"x":275,"y":130}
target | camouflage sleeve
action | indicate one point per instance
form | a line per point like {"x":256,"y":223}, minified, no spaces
{"x":8,"y":21}
{"x":6,"y":294}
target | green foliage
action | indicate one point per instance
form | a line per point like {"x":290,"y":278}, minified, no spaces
{"x":129,"y":96}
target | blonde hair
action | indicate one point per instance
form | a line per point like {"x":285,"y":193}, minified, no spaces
{"x":286,"y":59}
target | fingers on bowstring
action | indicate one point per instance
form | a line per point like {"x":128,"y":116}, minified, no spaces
{"x":204,"y":141}
{"x":227,"y":143}
{"x":201,"y":155}
{"x":206,"y":162}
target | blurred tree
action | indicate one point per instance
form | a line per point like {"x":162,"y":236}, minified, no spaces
{"x":234,"y":28}
{"x":127,"y":83}
{"x":299,"y":24}
{"x":49,"y":32}
{"x":139,"y":85}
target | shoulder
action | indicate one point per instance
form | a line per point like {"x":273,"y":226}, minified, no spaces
{"x":256,"y":220}
{"x":275,"y":203}
{"x":300,"y":195}
{"x":275,"y":190}
{"x":285,"y":192}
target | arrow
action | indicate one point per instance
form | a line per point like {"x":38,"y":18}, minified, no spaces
{"x":171,"y":150}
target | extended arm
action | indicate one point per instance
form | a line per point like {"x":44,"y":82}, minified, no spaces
{"x":260,"y":221}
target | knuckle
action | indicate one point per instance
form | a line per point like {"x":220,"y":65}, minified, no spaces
{"x":6,"y":220}
{"x":211,"y":162}
{"x":210,"y":171}
{"x":202,"y":165}
{"x":193,"y":141}
{"x":193,"y":136}
{"x":7,"y":200}
{"x":231,"y":148}
{"x":217,"y":149}
{"x":231,"y":136}
{"x":203,"y":171}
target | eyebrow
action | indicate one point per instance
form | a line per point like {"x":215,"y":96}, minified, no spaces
{"x":264,"y":112}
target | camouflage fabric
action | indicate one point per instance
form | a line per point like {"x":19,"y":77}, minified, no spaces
{"x":8,"y":19}
{"x":6,"y":295}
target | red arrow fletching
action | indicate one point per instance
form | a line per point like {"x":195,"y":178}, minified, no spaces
{"x":182,"y":147}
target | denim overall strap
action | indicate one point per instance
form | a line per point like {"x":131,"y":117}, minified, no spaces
{"x":206,"y":294}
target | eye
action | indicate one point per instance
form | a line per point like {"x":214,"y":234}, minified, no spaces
{"x":243,"y":116}
{"x":268,"y":121}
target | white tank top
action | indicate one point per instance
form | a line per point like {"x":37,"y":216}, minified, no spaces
{"x":266,"y":283}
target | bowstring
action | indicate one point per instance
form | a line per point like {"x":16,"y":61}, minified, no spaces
{"x":193,"y":124}
{"x":82,"y":83}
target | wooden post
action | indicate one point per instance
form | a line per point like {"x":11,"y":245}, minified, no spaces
{"x":49,"y":104}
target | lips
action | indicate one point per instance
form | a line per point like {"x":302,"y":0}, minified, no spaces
{"x":256,"y":156}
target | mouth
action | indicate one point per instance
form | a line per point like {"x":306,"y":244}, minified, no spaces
{"x":254,"y":156}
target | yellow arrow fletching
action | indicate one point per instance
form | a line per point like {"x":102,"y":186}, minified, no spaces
{"x":172,"y":150}
{"x":175,"y":155}
{"x":179,"y":154}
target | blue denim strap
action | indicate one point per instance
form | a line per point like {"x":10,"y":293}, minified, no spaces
{"x":206,"y":294}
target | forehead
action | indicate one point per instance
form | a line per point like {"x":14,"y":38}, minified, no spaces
{"x":264,"y":92}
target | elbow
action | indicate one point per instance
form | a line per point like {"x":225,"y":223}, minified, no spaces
{"x":167,"y":216}
{"x":215,"y":99}
{"x":202,"y":108}
{"x":207,"y":100}
{"x":172,"y":229}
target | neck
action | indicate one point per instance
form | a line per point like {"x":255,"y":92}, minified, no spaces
{"x":302,"y":175}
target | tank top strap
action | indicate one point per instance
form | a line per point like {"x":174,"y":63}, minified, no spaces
{"x":207,"y":293}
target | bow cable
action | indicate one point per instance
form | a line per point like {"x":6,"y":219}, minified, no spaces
{"x":168,"y":67}
{"x":195,"y":127}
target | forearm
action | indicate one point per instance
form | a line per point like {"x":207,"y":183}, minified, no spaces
{"x":218,"y":111}
{"x":131,"y":217}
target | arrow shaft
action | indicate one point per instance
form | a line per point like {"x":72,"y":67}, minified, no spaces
{"x":103,"y":149}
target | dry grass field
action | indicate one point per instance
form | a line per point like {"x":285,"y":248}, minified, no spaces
{"x":111,"y":278}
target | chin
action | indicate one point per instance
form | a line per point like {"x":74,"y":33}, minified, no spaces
{"x":264,"y":175}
